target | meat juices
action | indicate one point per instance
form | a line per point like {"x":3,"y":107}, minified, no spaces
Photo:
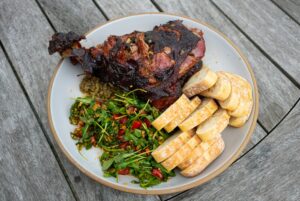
{"x":158,"y":61}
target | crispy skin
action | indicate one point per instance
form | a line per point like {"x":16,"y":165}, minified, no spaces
{"x":158,"y":61}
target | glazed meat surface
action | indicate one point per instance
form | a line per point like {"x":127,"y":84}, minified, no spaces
{"x":158,"y":61}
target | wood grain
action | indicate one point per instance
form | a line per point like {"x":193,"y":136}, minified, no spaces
{"x":292,"y":7}
{"x":257,"y":135}
{"x":27,"y":164}
{"x":277,"y":93}
{"x":81,"y":16}
{"x":271,"y":171}
{"x":118,"y":8}
{"x":28,"y":52}
{"x":270,"y":28}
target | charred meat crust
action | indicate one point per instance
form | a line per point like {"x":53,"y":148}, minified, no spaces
{"x":159,"y":61}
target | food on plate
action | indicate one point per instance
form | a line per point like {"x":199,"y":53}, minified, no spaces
{"x":137,"y":107}
{"x":171,"y":145}
{"x":220,"y":90}
{"x":207,"y":107}
{"x":121,"y":127}
{"x":158,"y":61}
{"x":170,"y":113}
{"x":196,"y":153}
{"x":93,"y":86}
{"x":193,"y":154}
{"x":232,"y":102}
{"x":245,"y":104}
{"x":205,"y":159}
{"x":180,"y":155}
{"x":213,"y":126}
{"x":238,"y":121}
{"x":199,"y":82}
{"x":184,"y":112}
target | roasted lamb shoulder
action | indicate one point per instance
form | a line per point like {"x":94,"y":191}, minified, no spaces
{"x":158,"y":61}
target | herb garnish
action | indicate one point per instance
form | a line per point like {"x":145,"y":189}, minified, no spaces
{"x":121,"y":127}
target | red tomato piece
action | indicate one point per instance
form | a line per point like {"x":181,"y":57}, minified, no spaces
{"x":116,"y":116}
{"x":93,"y":140}
{"x":121,"y":132}
{"x":124,"y":171}
{"x":120,"y":138}
{"x":136,"y":124}
{"x":147,"y":122}
{"x":123,"y":120}
{"x":124,"y":145}
{"x":157,"y":173}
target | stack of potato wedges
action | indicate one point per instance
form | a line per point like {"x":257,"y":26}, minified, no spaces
{"x":197,"y":123}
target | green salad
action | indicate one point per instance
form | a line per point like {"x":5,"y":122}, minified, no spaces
{"x":121,"y":127}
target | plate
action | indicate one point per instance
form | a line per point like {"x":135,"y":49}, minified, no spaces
{"x":221,"y":54}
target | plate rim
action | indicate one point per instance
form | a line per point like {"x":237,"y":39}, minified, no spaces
{"x":185,"y":186}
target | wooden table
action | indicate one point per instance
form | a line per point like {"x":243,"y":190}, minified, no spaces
{"x":32,"y":167}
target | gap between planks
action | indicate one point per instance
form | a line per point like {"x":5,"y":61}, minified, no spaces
{"x":101,"y":10}
{"x":290,"y":16}
{"x":46,"y":16}
{"x":40,"y":123}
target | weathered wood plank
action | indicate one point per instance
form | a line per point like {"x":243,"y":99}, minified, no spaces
{"x":27,"y":164}
{"x":80,"y":16}
{"x":271,"y":171}
{"x":258,"y":134}
{"x":292,"y":7}
{"x":277,"y":92}
{"x":25,"y":36}
{"x":118,"y":8}
{"x":270,"y":28}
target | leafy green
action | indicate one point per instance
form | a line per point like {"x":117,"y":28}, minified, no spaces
{"x":109,"y":125}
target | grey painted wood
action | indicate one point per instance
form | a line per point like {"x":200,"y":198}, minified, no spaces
{"x":25,"y":35}
{"x":276,"y":33}
{"x":277,"y":93}
{"x":258,"y":134}
{"x":292,"y":7}
{"x":271,"y":171}
{"x":27,"y":164}
{"x":81,"y":16}
{"x":118,"y":8}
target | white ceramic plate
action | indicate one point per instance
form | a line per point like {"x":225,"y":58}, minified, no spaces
{"x":221,"y":54}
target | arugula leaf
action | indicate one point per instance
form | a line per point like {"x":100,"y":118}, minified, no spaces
{"x":107,"y":163}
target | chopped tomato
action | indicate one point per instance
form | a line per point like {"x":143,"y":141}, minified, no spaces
{"x":124,"y":171}
{"x":116,"y":116}
{"x":124,"y":145}
{"x":157,"y":173}
{"x":147,"y":122}
{"x":123,"y":120}
{"x":131,"y":110}
{"x":121,"y":132}
{"x":136,"y":124}
{"x":121,"y":138}
{"x":80,"y":124}
{"x":147,"y":150}
{"x":93,"y":140}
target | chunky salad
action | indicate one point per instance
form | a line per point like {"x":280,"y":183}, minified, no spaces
{"x":121,"y":126}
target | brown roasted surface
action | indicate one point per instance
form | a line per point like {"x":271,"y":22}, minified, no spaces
{"x":158,"y":61}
